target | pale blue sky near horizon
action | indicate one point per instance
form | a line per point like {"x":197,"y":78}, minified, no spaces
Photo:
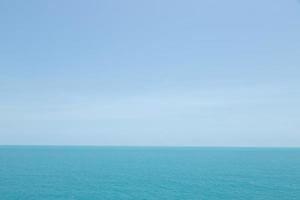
{"x":159,"y":72}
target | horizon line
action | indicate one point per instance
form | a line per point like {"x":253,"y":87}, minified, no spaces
{"x":141,"y":146}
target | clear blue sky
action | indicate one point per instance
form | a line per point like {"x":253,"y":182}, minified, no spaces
{"x":159,"y":72}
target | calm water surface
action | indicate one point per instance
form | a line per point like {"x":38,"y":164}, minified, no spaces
{"x":148,"y":173}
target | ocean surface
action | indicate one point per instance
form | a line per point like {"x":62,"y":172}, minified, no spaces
{"x":148,"y":173}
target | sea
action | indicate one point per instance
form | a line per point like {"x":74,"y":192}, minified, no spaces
{"x":148,"y":173}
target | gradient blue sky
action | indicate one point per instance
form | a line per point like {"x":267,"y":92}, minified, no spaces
{"x":159,"y":72}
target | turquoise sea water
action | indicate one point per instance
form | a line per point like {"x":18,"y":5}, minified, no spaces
{"x":148,"y":173}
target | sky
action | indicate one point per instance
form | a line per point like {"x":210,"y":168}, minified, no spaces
{"x":159,"y":72}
